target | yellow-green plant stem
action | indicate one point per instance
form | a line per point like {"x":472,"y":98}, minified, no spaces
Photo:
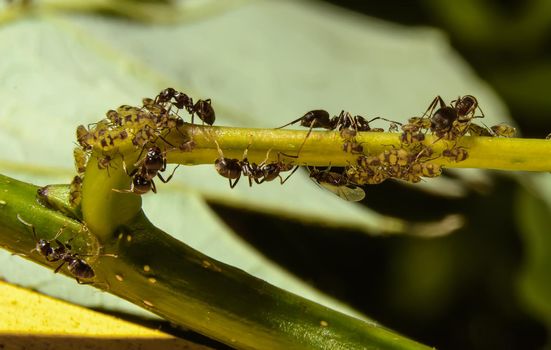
{"x":324,"y":148}
{"x":162,"y":274}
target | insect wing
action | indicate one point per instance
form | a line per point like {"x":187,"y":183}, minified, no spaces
{"x":350,"y":193}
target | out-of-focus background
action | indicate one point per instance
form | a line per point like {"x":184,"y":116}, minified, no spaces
{"x":484,"y":285}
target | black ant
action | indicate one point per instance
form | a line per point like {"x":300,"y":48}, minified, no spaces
{"x":337,"y":183}
{"x":232,"y":169}
{"x":452,"y":121}
{"x":76,"y":266}
{"x":320,"y":118}
{"x":347,"y":124}
{"x":202,"y":108}
{"x":153,"y":163}
{"x":229,"y":168}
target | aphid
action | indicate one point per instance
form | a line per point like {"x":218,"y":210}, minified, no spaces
{"x":431,"y":169}
{"x":76,"y":266}
{"x":477,"y":130}
{"x":83,"y":137}
{"x":81,"y":159}
{"x":75,"y":191}
{"x":420,"y":122}
{"x":503,"y":130}
{"x":399,"y":157}
{"x":105,"y":162}
{"x":361,"y":175}
{"x":456,"y":154}
{"x":411,"y":134}
{"x":337,"y":183}
{"x":394,"y":127}
{"x":114,"y":117}
{"x":350,"y":146}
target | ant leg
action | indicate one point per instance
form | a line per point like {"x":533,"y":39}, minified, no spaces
{"x":59,"y":267}
{"x":386,"y":120}
{"x":138,"y":160}
{"x":168,"y":178}
{"x":123,"y":191}
{"x":291,"y":123}
{"x":433,"y":105}
{"x":219,"y":150}
{"x":235,"y":182}
{"x":81,"y":282}
{"x":288,"y":176}
{"x":265,"y":159}
{"x":153,"y":187}
{"x":29,"y":225}
{"x":166,"y":141}
{"x":303,"y":142}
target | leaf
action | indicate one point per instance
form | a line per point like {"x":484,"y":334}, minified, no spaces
{"x":533,"y":209}
{"x":60,"y":70}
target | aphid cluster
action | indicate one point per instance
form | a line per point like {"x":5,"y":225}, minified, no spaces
{"x":143,"y":127}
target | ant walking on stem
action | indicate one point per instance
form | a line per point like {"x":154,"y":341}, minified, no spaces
{"x":232,"y":168}
{"x":79,"y":268}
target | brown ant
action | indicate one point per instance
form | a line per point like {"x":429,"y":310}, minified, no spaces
{"x":76,"y":266}
{"x":153,"y":163}
{"x":202,"y":108}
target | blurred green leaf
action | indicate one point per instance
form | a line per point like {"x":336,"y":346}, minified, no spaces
{"x":534,"y":208}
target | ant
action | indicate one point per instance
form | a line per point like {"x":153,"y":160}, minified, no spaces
{"x":452,"y":121}
{"x":202,"y":108}
{"x":232,"y":168}
{"x":153,"y":163}
{"x":337,"y":183}
{"x":76,"y":266}
{"x":347,"y":124}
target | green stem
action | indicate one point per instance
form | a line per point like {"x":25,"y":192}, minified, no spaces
{"x":324,"y":148}
{"x":162,"y":274}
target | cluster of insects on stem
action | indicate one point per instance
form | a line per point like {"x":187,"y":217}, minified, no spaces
{"x":143,"y":126}
{"x":411,"y":161}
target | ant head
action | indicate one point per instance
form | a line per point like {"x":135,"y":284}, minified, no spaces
{"x":466,"y":104}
